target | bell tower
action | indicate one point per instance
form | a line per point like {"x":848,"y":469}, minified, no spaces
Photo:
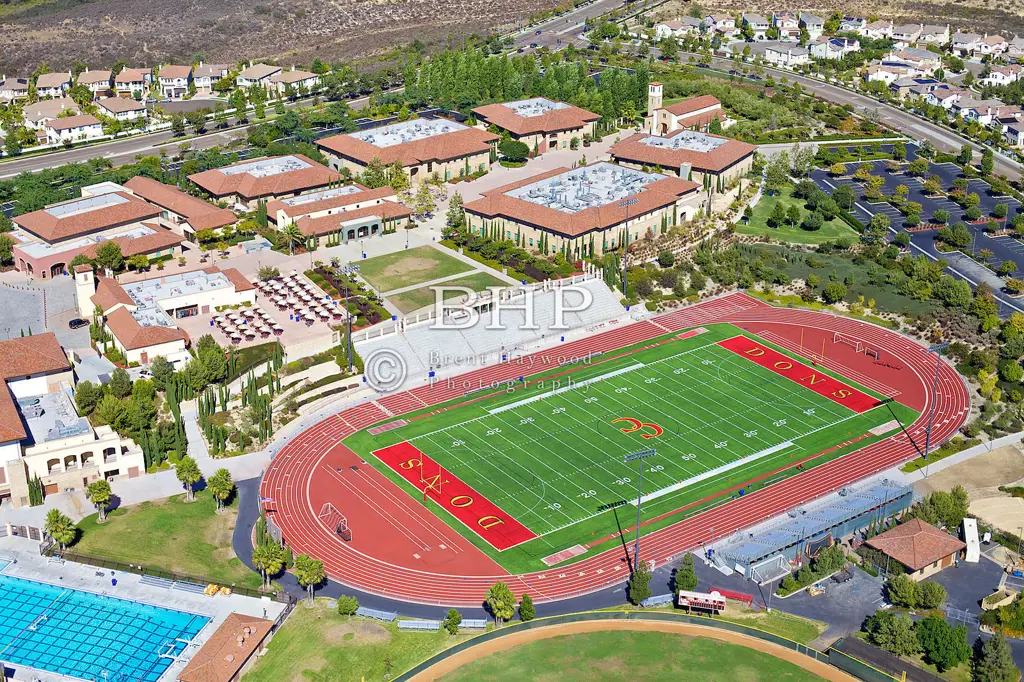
{"x":85,"y":287}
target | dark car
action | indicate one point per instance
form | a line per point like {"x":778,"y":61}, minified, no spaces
{"x":754,"y":77}
{"x":733,"y":72}
{"x":533,"y":45}
{"x":704,"y":65}
{"x":78,"y":323}
{"x":538,"y":32}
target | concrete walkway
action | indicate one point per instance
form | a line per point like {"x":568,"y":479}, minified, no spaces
{"x":197,"y":449}
{"x":967,"y":454}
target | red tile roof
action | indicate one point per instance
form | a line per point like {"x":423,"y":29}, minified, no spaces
{"x":161,"y":238}
{"x":250,"y":187}
{"x":224,"y":654}
{"x":916,"y":544}
{"x":53,"y":229}
{"x":654,"y":195}
{"x":72,"y":122}
{"x":133,"y":335}
{"x":555,"y":120}
{"x":443,"y":147}
{"x":634,"y":150}
{"x":240,"y":281}
{"x":97,"y":76}
{"x":109,"y":294}
{"x":21,"y":357}
{"x":329,"y":224}
{"x":128,"y":76}
{"x":273,"y":207}
{"x":200,"y":215}
{"x":174,"y":71}
{"x":688,"y":106}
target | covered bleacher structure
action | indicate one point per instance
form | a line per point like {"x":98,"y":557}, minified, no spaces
{"x":808,"y":530}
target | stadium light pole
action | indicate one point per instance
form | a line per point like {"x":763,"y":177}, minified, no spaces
{"x":638,"y":456}
{"x":626,"y":203}
{"x":349,"y":270}
{"x":937,"y":349}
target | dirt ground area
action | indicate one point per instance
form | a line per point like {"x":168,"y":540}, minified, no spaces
{"x":981,"y":475}
{"x":822,"y":670}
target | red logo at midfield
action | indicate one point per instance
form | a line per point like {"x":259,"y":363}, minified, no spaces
{"x":479,"y":514}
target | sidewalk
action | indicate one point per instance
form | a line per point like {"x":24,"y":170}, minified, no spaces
{"x":967,"y":454}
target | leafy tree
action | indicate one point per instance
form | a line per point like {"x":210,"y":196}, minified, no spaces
{"x":793,"y":214}
{"x":526,"y":609}
{"x":640,"y":583}
{"x":903,"y":591}
{"x":98,"y":492}
{"x":109,"y":256}
{"x":918,"y":166}
{"x":87,"y":395}
{"x":309,"y":573}
{"x":221,"y":486}
{"x":965,"y":155}
{"x":666,"y":259}
{"x":110,"y":410}
{"x":685,"y":578}
{"x":347,"y":605}
{"x":902,"y":238}
{"x":834,"y":292}
{"x":837,"y":169}
{"x":139,"y":261}
{"x":120,"y":383}
{"x":932,"y":593}
{"x":944,"y":646}
{"x":899,"y":151}
{"x":161,"y":369}
{"x":844,"y":197}
{"x":994,"y":661}
{"x":1007,"y":268}
{"x":1000,"y":210}
{"x":189,"y":474}
{"x":177,"y":125}
{"x":987,"y":161}
{"x":514,"y":150}
{"x":59,"y":527}
{"x":940,"y":217}
{"x":778,"y":215}
{"x":892,"y":632}
{"x":813,"y":222}
{"x":6,"y":249}
{"x":452,"y":621}
{"x":455,"y":216}
{"x":501,"y":602}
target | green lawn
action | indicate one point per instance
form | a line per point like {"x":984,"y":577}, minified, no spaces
{"x":170,"y":535}
{"x":406,"y":268}
{"x":615,"y":655}
{"x":317,"y":644}
{"x":553,"y":460}
{"x":415,"y":299}
{"x":758,"y":225}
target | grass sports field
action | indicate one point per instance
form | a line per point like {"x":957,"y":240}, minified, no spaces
{"x":532,"y":470}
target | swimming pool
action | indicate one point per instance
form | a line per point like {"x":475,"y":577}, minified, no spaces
{"x":89,"y":636}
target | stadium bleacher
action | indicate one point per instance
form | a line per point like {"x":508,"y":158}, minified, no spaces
{"x":474,"y":623}
{"x":426,"y":625}
{"x":154,"y":581}
{"x":658,"y":600}
{"x":424,"y":348}
{"x":376,"y":614}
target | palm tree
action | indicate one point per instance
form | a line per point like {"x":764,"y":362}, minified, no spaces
{"x":99,"y":494}
{"x":309,"y":572}
{"x":293,"y":234}
{"x":221,"y":486}
{"x":59,"y":527}
{"x":188,"y":473}
{"x":268,"y":559}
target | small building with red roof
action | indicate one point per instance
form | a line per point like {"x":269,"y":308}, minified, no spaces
{"x":921,"y":548}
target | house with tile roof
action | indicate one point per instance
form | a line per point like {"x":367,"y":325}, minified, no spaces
{"x":271,"y":177}
{"x":541,"y":124}
{"x":133,"y":82}
{"x":294,"y":81}
{"x":922,"y":549}
{"x":758,"y":26}
{"x":584,"y":210}
{"x":877,"y":30}
{"x":813,"y":24}
{"x":422,"y":147}
{"x":100,"y":82}
{"x":78,"y":128}
{"x":256,"y":74}
{"x":13,"y":88}
{"x":125,"y":109}
{"x":41,"y":432}
{"x":53,"y":84}
{"x":205,"y":76}
{"x":174,"y":80}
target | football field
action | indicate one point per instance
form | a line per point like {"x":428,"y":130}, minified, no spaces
{"x":539,"y":466}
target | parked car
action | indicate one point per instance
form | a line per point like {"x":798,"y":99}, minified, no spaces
{"x":754,"y":77}
{"x":704,"y":65}
{"x":538,"y":31}
{"x":533,"y":45}
{"x":78,"y":323}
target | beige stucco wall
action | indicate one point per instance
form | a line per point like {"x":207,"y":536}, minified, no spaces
{"x":446,"y":169}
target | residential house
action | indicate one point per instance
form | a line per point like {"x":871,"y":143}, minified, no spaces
{"x":99,"y":82}
{"x":921,"y":548}
{"x":757,"y":25}
{"x":1015,"y":47}
{"x":174,"y":80}
{"x":788,"y":26}
{"x":824,"y":47}
{"x":814,"y":25}
{"x":784,"y":55}
{"x":13,"y":88}
{"x":932,"y":34}
{"x":205,"y":76}
{"x":124,"y":109}
{"x":294,"y":81}
{"x":888,"y":72}
{"x":876,"y":30}
{"x":906,"y":34}
{"x":1014,"y":134}
{"x":964,"y":44}
{"x":1003,"y":75}
{"x":852,"y":24}
{"x":677,"y":28}
{"x":992,"y":44}
{"x":922,"y":60}
{"x":53,"y":84}
{"x":902,"y":88}
{"x":983,"y":111}
{"x":724,"y":25}
{"x":133,"y":82}
{"x":256,"y":74}
{"x":42,"y":436}
{"x":73,"y":129}
{"x":38,"y":114}
{"x":946,"y":96}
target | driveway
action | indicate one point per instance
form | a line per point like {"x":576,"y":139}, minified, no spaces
{"x":843,"y":606}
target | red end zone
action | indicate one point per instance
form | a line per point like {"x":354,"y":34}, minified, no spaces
{"x":479,"y":514}
{"x":817,"y":381}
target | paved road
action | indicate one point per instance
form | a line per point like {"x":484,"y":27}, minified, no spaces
{"x":560,"y":31}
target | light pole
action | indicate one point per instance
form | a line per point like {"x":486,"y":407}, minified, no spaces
{"x":638,"y":456}
{"x":931,"y":412}
{"x":626,"y":203}
{"x":349,"y":271}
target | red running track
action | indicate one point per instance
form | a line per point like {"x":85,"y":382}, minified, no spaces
{"x":298,"y":478}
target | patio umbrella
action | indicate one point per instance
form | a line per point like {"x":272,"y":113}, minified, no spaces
{"x":310,"y":316}
{"x":230,"y":330}
{"x":292,"y":300}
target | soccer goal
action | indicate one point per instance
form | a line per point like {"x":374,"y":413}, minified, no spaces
{"x":336,"y":521}
{"x":849,"y":341}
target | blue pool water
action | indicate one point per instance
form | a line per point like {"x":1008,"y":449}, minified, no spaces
{"x":89,"y":636}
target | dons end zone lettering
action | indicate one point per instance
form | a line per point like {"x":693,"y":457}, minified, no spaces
{"x":812,"y":378}
{"x":479,"y":514}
